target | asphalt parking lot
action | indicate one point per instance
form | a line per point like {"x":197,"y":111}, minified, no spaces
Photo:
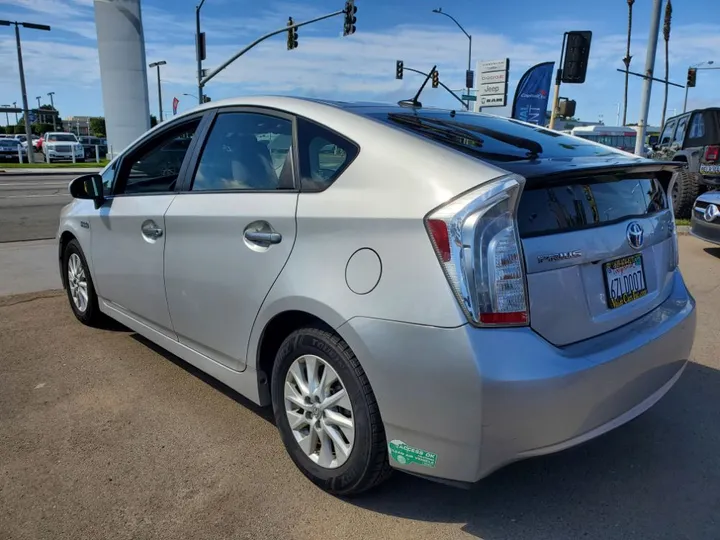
{"x":105,"y":436}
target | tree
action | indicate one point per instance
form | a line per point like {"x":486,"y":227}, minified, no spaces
{"x":627,"y":59}
{"x":97,"y":126}
{"x":20,"y":129}
{"x":666,"y":36}
{"x":2,"y":129}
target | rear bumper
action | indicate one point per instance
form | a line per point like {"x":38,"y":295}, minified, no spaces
{"x":710,"y":232}
{"x":481,"y":398}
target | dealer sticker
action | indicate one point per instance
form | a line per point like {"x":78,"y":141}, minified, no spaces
{"x":405,"y":455}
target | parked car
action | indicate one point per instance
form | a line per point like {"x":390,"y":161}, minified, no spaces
{"x":692,"y":138}
{"x":9,"y":148}
{"x":705,"y":221}
{"x":62,"y":146}
{"x":434,"y":291}
{"x":89,"y":144}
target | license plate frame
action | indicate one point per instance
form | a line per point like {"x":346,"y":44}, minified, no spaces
{"x":616,"y":265}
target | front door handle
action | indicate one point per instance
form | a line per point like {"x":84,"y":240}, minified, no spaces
{"x":151,"y":230}
{"x":263,"y":238}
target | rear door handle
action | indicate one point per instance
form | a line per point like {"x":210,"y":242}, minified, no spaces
{"x":263,"y":238}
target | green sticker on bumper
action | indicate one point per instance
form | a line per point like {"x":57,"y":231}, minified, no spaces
{"x":405,"y":455}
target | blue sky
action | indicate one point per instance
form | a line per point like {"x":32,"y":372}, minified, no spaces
{"x":361,"y":66}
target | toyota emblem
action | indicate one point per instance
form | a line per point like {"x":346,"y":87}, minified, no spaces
{"x":635,"y":235}
{"x":711,"y":212}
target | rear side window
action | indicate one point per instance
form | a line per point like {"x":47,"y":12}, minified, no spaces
{"x":580,"y":205}
{"x":324,"y":155}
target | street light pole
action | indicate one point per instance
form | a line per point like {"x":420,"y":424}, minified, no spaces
{"x":157,"y":65}
{"x":696,"y":66}
{"x":52,"y":104}
{"x":199,"y":50}
{"x":647,"y":82}
{"x":441,"y":12}
{"x":26,"y":111}
{"x":42,"y":120}
{"x":7,"y":117}
{"x":15,"y":106}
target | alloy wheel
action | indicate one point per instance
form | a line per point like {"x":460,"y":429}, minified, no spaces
{"x":77,"y":282}
{"x":319,"y":411}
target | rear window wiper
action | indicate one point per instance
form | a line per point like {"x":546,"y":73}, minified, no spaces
{"x":533,"y":147}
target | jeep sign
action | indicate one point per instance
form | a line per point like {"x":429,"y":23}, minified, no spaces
{"x":494,"y":88}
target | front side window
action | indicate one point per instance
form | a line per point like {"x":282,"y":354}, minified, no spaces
{"x":108,"y":179}
{"x":667,"y":133}
{"x":154,"y":167}
{"x":246,"y":151}
{"x":324,"y":155}
{"x":680,"y":131}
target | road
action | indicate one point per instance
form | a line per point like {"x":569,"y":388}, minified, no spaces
{"x":106,"y":436}
{"x":30,"y":205}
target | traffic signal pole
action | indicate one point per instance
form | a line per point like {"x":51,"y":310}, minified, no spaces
{"x":647,"y":82}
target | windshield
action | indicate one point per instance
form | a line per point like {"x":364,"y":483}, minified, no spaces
{"x":61,"y":137}
{"x":490,"y":137}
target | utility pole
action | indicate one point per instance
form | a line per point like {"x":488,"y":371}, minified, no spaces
{"x":41,"y":116}
{"x":26,"y":111}
{"x":618,"y":115}
{"x":200,"y":50}
{"x":647,"y":82}
{"x":52,"y":104}
{"x":157,"y":65}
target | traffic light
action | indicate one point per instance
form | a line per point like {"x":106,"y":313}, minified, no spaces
{"x":435,"y":78}
{"x":692,"y":77}
{"x":206,"y":99}
{"x":292,"y":37}
{"x":469,"y":79}
{"x":399,"y":69}
{"x":566,"y":108}
{"x":577,"y":51}
{"x":350,"y":19}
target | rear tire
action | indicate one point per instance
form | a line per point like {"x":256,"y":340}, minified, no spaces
{"x":365,"y":465}
{"x":79,"y":286}
{"x":684,"y":191}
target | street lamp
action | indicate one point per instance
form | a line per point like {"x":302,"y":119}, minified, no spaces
{"x":7,"y":118}
{"x":42,"y":121}
{"x":52,"y":104}
{"x":441,"y":12}
{"x":191,"y":95}
{"x":15,"y":106}
{"x":28,"y":132}
{"x":199,"y":50}
{"x":157,"y":65}
{"x":696,"y":66}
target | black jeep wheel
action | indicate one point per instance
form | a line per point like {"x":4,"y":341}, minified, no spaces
{"x":683,"y":191}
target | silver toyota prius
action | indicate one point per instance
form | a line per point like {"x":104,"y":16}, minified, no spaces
{"x":429,"y":290}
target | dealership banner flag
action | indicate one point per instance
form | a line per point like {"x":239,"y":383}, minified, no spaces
{"x":176,"y":101}
{"x":532,"y":93}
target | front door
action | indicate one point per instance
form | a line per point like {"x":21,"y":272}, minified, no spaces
{"x":129,"y":232}
{"x":230,"y":233}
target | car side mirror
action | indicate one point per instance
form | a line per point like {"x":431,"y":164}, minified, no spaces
{"x":89,"y":186}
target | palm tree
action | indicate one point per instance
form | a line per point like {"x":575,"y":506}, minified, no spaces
{"x":627,"y":59}
{"x":666,"y":35}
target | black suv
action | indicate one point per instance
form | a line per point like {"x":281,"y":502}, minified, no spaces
{"x":692,"y":137}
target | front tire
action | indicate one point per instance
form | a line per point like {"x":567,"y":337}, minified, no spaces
{"x":79,"y":286}
{"x":326,"y":413}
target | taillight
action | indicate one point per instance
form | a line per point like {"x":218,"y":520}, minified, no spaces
{"x":476,"y":240}
{"x":712,"y":153}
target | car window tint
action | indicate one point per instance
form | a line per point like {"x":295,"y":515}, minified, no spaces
{"x":324,"y":155}
{"x":247,"y":151}
{"x":680,"y":131}
{"x":154,"y":167}
{"x":667,"y":133}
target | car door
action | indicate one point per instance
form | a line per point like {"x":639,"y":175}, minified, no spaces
{"x":230,"y":231}
{"x":128,"y":231}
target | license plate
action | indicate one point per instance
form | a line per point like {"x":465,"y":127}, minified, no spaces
{"x":624,"y":280}
{"x":709,"y":169}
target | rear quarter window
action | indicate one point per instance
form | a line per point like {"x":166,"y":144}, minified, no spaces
{"x":323,"y":154}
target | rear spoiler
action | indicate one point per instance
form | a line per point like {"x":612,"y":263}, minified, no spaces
{"x":641,"y":167}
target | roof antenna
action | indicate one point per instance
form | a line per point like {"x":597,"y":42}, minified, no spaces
{"x":414,"y":101}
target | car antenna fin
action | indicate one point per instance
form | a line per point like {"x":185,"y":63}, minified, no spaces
{"x":414,"y":101}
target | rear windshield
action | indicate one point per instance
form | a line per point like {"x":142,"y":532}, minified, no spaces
{"x":69,"y":137}
{"x":587,"y":203}
{"x":492,"y":138}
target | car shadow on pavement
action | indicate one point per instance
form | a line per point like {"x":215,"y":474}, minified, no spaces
{"x":714,"y":251}
{"x":656,"y":477}
{"x":263,"y":412}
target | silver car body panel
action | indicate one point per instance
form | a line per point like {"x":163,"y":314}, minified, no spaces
{"x":478,"y":398}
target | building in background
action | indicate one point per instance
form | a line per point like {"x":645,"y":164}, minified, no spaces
{"x":79,"y":125}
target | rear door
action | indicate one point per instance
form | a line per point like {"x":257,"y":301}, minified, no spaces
{"x":599,"y":250}
{"x":231,"y":231}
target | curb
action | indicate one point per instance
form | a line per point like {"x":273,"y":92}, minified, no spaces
{"x":683,"y":229}
{"x":47,"y":172}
